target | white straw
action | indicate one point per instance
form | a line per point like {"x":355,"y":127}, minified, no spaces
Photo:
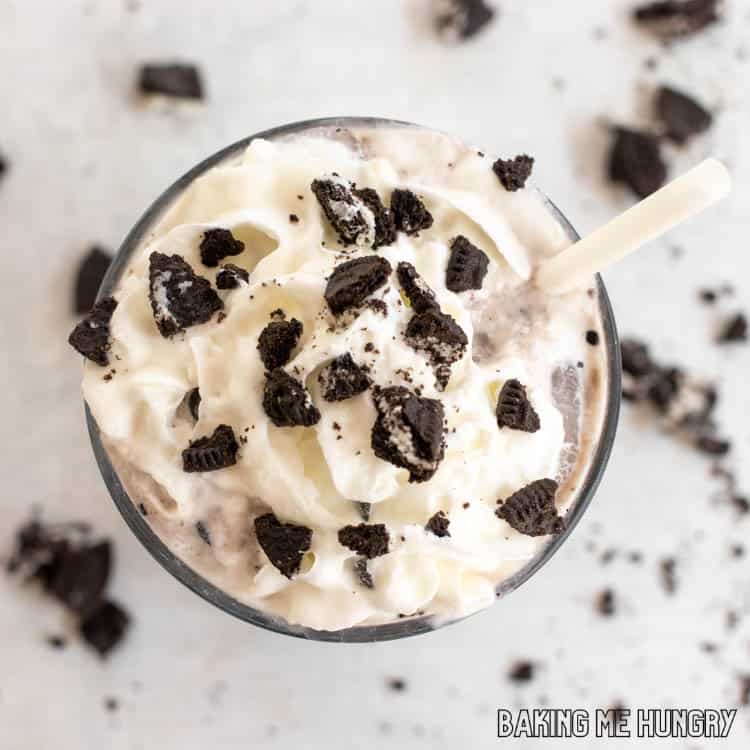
{"x":686,"y":196}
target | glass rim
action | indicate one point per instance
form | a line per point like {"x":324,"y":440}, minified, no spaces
{"x":359,"y":633}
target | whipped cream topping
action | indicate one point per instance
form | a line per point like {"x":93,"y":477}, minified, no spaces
{"x":320,"y":476}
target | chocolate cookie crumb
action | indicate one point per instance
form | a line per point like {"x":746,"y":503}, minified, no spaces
{"x":467,"y":266}
{"x":635,"y":160}
{"x":91,"y":336}
{"x":605,"y":603}
{"x":438,"y":524}
{"x":419,"y":294}
{"x":513,"y":173}
{"x":342,"y":378}
{"x":667,"y":573}
{"x":514,"y":410}
{"x":355,"y":280}
{"x":217,"y":244}
{"x":397,"y":684}
{"x":203,"y":532}
{"x":211,"y":453}
{"x":179,"y":297}
{"x":293,"y":219}
{"x":713,"y":446}
{"x":231,"y":276}
{"x":285,"y":544}
{"x":286,"y":401}
{"x":194,"y":403}
{"x":368,"y":540}
{"x":350,"y":217}
{"x":735,"y":329}
{"x":592,"y":338}
{"x":410,"y":214}
{"x":441,"y":338}
{"x":636,"y":360}
{"x":180,"y":81}
{"x":462,"y":19}
{"x":675,"y":18}
{"x":385,"y":229}
{"x":708,"y":296}
{"x":521,"y":672}
{"x":364,"y":509}
{"x":531,"y":510}
{"x":111,"y":704}
{"x":682,"y":116}
{"x":142,"y":510}
{"x":363,"y":574}
{"x":277,"y":341}
{"x":408,"y":431}
{"x":57,"y":642}
{"x":105,"y":627}
{"x":91,"y":271}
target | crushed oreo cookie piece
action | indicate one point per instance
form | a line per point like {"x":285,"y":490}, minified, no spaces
{"x":105,"y":627}
{"x":175,"y":80}
{"x":353,"y":281}
{"x":397,"y":684}
{"x":439,"y":524}
{"x":531,"y":510}
{"x":635,"y":160}
{"x":277,"y":341}
{"x":368,"y":540}
{"x":440,"y":338}
{"x":286,"y":401}
{"x":513,"y":173}
{"x":57,"y":642}
{"x":78,"y":576}
{"x":409,"y":431}
{"x":91,"y":271}
{"x":352,"y":220}
{"x":592,"y":338}
{"x":410,"y":214}
{"x":231,"y":276}
{"x":467,"y":266}
{"x":211,"y":453}
{"x":343,"y":378}
{"x":521,"y":671}
{"x":667,"y":574}
{"x":363,"y":574}
{"x":605,"y":603}
{"x":385,"y":229}
{"x":462,"y":19}
{"x":179,"y":297}
{"x":514,"y":410}
{"x":681,"y":115}
{"x":419,"y":294}
{"x":91,"y":336}
{"x":203,"y":532}
{"x":364,"y":510}
{"x":217,"y":244}
{"x":735,"y":329}
{"x":713,"y":446}
{"x":675,"y":18}
{"x":636,"y":360}
{"x":194,"y":403}
{"x":285,"y":544}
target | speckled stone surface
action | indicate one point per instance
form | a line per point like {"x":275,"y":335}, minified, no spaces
{"x":86,"y":158}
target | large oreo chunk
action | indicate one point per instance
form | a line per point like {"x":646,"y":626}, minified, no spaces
{"x":231,"y":276}
{"x":211,"y":453}
{"x":467,"y":266}
{"x":672,"y":18}
{"x":217,"y":244}
{"x":441,"y":338}
{"x":286,"y":401}
{"x":385,"y":229}
{"x":105,"y":626}
{"x":419,"y":294}
{"x":277,"y":341}
{"x":179,"y":81}
{"x":79,"y":576}
{"x":351,"y":219}
{"x":410,"y":214}
{"x":91,"y":336}
{"x":285,"y":544}
{"x":514,"y":409}
{"x":682,"y":115}
{"x":368,"y":540}
{"x":355,"y":280}
{"x":409,"y":431}
{"x":636,"y":161}
{"x":343,"y":378}
{"x":514,"y":172}
{"x":531,"y":510}
{"x":179,"y":297}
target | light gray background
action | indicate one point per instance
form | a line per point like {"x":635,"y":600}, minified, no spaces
{"x":87,"y":159}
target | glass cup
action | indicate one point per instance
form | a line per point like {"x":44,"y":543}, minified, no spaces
{"x":364,"y":633}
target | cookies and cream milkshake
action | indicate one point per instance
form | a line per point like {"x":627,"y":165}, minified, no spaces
{"x":330,"y":385}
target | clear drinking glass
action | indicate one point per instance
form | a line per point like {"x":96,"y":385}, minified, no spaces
{"x":365,"y":633}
